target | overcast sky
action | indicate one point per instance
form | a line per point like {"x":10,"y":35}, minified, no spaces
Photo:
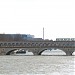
{"x":30,"y":16}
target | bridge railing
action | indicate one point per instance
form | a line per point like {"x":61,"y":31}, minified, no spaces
{"x":38,"y":44}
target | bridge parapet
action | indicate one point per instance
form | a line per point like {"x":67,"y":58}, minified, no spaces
{"x":34,"y":44}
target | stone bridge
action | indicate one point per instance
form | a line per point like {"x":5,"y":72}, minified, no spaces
{"x":37,"y":47}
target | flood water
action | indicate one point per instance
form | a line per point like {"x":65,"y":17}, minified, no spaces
{"x":37,"y":65}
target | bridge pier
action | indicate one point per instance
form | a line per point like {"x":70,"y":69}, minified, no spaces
{"x":35,"y":51}
{"x":69,"y":51}
{"x":2,"y":51}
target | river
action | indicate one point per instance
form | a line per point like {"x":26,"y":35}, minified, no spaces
{"x":37,"y":65}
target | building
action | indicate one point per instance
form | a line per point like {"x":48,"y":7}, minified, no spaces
{"x":15,"y":37}
{"x":18,"y":37}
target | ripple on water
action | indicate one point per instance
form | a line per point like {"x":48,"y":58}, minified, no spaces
{"x":37,"y":65}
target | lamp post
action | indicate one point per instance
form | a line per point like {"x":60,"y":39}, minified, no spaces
{"x":43,"y":33}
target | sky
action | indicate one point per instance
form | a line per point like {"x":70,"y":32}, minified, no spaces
{"x":30,"y":16}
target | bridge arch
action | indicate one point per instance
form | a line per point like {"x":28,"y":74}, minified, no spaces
{"x":57,"y":51}
{"x":9,"y":52}
{"x":73,"y":53}
{"x":20,"y":51}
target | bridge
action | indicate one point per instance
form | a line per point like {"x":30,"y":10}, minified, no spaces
{"x":37,"y":47}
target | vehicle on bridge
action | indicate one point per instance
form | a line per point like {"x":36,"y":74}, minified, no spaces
{"x":65,"y":39}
